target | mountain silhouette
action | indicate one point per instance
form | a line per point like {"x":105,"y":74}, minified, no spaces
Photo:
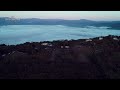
{"x":73,"y":23}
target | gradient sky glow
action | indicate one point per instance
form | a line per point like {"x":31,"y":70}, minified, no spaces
{"x":69,"y":15}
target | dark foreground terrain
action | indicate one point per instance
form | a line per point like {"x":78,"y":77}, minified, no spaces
{"x":97,"y":58}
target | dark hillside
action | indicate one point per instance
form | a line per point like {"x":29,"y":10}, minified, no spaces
{"x":97,"y":58}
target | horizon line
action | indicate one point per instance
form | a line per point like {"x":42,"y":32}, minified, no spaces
{"x":55,"y":18}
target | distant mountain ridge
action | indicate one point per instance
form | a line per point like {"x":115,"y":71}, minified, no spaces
{"x":73,"y":23}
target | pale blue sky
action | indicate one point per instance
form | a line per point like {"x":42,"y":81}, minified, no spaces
{"x":70,"y":15}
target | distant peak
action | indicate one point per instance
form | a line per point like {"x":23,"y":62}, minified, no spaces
{"x":85,"y":20}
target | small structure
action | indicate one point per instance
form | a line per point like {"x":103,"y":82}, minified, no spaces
{"x":61,"y":46}
{"x":3,"y":55}
{"x":88,"y":40}
{"x":67,"y":47}
{"x":13,"y":52}
{"x":36,"y":48}
{"x":115,"y":38}
{"x":100,"y":38}
{"x":47,"y":44}
{"x":46,"y":48}
{"x":50,"y":45}
{"x":44,"y":44}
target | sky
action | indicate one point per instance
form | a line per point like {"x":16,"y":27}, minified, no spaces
{"x":69,"y":15}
